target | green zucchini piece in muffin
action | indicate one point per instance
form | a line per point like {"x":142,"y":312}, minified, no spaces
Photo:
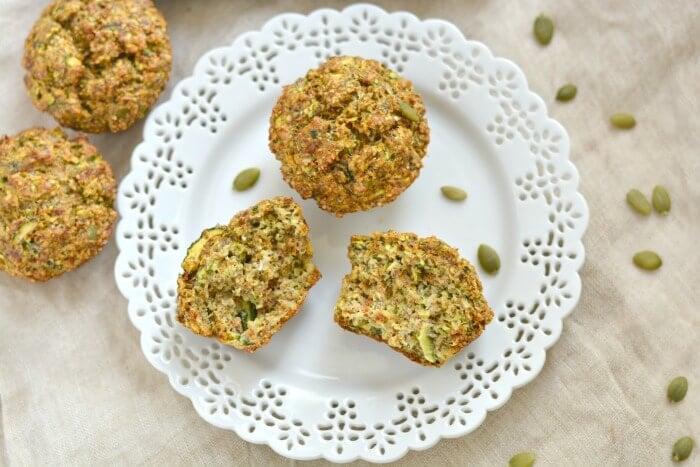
{"x":243,"y":281}
{"x":416,"y":295}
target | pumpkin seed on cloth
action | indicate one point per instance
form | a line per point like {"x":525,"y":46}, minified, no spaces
{"x":246,"y":179}
{"x":522,"y":459}
{"x":677,"y":389}
{"x":453,"y":193}
{"x":488,"y":259}
{"x":623,"y":121}
{"x":639,"y":202}
{"x":566,"y":92}
{"x":543,"y":29}
{"x":647,"y":260}
{"x":661,"y":199}
{"x":682,"y":449}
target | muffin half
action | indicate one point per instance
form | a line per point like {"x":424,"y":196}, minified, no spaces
{"x":243,"y":281}
{"x":414,"y":294}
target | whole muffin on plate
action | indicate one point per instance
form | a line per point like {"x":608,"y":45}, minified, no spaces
{"x":416,"y":295}
{"x":243,"y":281}
{"x":351,"y":134}
{"x":56,"y":197}
{"x":97,"y":65}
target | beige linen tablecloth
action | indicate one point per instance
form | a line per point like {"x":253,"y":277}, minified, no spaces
{"x":75,"y":388}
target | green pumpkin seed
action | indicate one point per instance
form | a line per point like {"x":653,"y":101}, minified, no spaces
{"x":661,"y":200}
{"x":246,"y":179}
{"x":623,"y":120}
{"x":92,"y":233}
{"x":522,"y":459}
{"x":639,"y":202}
{"x":26,"y":229}
{"x":647,"y":260}
{"x":566,"y":92}
{"x":543,"y":29}
{"x":488,"y":259}
{"x":453,"y":193}
{"x":682,"y":449}
{"x":408,"y":112}
{"x":677,"y":389}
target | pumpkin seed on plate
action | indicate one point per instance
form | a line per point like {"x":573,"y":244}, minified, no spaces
{"x":677,"y":389}
{"x":246,"y":179}
{"x":682,"y":449}
{"x":522,"y":459}
{"x":647,"y":260}
{"x":408,"y":112}
{"x":543,"y":29}
{"x":566,"y":92}
{"x":453,"y":193}
{"x":639,"y":202}
{"x":488,"y":259}
{"x":623,"y":120}
{"x":661,"y":200}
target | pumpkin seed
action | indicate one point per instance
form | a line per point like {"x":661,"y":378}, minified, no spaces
{"x":246,"y":179}
{"x":623,"y":120}
{"x":647,"y":260}
{"x":522,"y":459}
{"x":92,"y":233}
{"x":453,"y":193}
{"x":639,"y":202}
{"x":408,"y":112}
{"x":682,"y":449}
{"x":677,"y":389}
{"x":661,"y":200}
{"x":543,"y":29}
{"x":25,"y":230}
{"x":488,"y":259}
{"x":566,"y":92}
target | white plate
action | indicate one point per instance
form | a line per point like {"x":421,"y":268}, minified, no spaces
{"x":317,"y":390}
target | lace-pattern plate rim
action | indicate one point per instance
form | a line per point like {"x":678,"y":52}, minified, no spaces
{"x":519,"y":159}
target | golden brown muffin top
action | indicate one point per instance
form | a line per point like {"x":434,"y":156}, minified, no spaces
{"x":97,"y":65}
{"x":56,"y":199}
{"x":350,"y":134}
